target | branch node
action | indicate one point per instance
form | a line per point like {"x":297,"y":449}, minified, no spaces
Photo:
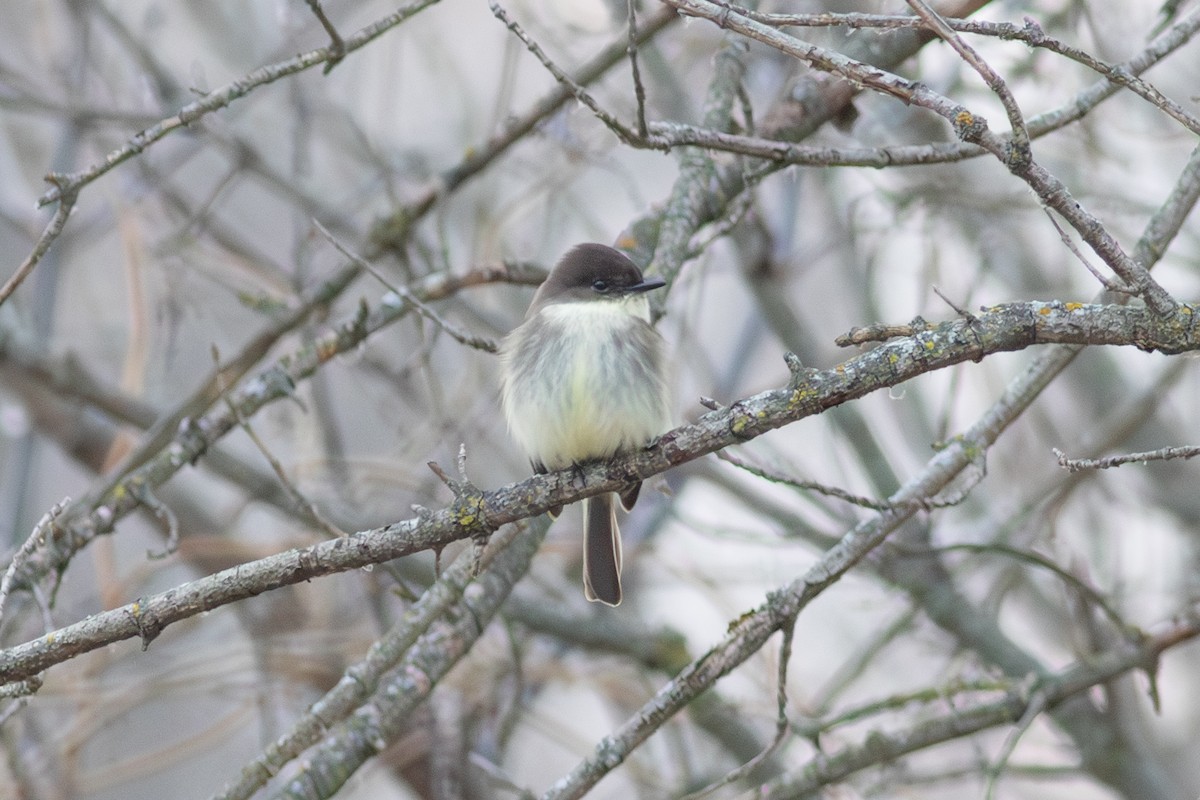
{"x":337,"y":45}
{"x":969,"y":127}
{"x":469,"y":508}
{"x":147,"y":624}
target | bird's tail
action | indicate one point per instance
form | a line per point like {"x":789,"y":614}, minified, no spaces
{"x":601,"y":550}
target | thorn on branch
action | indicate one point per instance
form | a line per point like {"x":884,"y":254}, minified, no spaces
{"x":436,"y":469}
{"x":800,"y":373}
{"x":148,"y":625}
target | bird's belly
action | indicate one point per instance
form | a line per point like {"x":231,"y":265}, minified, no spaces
{"x":590,"y":397}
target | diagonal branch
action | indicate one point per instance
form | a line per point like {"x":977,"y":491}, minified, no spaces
{"x":67,"y":183}
{"x":969,"y":127}
{"x":998,"y":329}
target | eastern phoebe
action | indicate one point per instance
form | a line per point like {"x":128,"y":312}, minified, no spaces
{"x":582,"y":380}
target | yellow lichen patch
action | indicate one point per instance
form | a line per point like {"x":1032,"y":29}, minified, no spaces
{"x":1045,"y":311}
{"x":468,"y":516}
{"x":1073,"y":306}
{"x":802,"y":395}
{"x":964,"y":118}
{"x":930,"y":345}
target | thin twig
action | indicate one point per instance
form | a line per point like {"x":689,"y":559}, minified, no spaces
{"x":146,"y":496}
{"x":622,"y":131}
{"x":1016,"y":120}
{"x":406,"y":295}
{"x":639,"y":91}
{"x":1037,"y":704}
{"x":828,"y":491}
{"x":1030,"y":34}
{"x":35,"y":540}
{"x":53,"y":230}
{"x":962,"y":312}
{"x":781,"y":721}
{"x":1108,"y":283}
{"x":66,"y":183}
{"x":968,"y":126}
{"x":307,"y":506}
{"x":1163,"y":454}
{"x":1037,"y":560}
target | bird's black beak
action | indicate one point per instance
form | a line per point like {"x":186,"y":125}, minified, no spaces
{"x":646,"y":285}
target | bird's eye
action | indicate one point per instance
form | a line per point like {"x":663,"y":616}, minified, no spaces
{"x":600,"y":286}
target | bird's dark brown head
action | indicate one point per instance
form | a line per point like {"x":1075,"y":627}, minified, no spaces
{"x":592,"y":272}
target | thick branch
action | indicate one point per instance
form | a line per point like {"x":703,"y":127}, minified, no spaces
{"x":998,"y":329}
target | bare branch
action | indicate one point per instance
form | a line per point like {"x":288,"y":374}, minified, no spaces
{"x":1108,"y":462}
{"x":68,"y":183}
{"x":37,"y":538}
{"x":53,"y":231}
{"x":999,"y":329}
{"x":967,"y":126}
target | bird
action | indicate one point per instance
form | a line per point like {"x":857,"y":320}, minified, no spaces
{"x":582,"y":380}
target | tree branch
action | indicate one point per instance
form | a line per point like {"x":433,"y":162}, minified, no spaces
{"x":1001,"y":328}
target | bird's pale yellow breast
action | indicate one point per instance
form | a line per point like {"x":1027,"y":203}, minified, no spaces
{"x":591,"y":393}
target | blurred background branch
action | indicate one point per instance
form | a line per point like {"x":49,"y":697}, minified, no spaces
{"x":965,"y":616}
